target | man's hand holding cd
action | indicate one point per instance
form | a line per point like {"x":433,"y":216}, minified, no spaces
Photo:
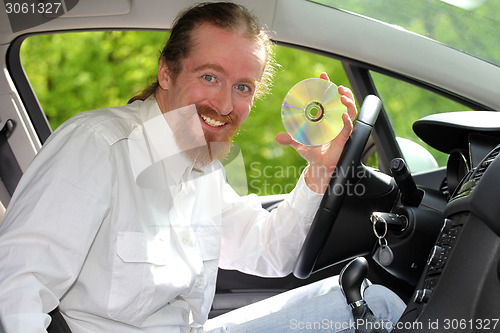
{"x":324,"y":158}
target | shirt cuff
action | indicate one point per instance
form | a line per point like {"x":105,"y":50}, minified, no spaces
{"x":304,"y":200}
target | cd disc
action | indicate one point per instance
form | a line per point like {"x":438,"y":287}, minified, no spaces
{"x":312,"y":112}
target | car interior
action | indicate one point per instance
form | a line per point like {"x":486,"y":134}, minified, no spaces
{"x":440,"y":223}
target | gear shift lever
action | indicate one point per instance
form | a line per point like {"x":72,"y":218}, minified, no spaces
{"x":350,"y":280}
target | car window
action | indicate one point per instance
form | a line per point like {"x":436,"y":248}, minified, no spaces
{"x":75,"y":72}
{"x":405,"y":103}
{"x":467,"y":25}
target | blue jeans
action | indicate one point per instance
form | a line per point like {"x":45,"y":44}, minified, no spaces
{"x":318,"y":307}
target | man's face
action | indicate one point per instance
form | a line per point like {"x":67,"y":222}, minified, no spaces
{"x":219,"y":77}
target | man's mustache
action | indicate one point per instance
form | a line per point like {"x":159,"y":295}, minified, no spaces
{"x":207,"y":111}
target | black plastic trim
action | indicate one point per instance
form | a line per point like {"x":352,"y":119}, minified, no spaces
{"x":10,"y":172}
{"x":25,"y":91}
{"x":383,"y":135}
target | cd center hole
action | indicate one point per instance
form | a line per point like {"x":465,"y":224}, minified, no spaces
{"x":314,"y":111}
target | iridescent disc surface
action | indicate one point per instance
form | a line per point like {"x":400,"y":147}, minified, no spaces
{"x":312,"y":112}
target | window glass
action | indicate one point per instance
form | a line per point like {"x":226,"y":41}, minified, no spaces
{"x":471,"y":26}
{"x":406,"y":103}
{"x":75,"y":72}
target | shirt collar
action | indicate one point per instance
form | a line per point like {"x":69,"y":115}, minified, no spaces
{"x":159,"y":139}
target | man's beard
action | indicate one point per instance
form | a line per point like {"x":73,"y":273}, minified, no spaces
{"x":217,"y":145}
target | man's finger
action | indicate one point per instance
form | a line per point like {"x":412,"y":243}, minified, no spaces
{"x":284,"y":139}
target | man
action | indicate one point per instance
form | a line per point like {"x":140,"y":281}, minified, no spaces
{"x":124,"y":216}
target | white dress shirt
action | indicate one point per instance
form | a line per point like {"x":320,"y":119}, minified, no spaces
{"x":114,"y":224}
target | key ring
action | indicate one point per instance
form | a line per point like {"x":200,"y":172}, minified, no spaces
{"x":384,"y":241}
{"x":383,"y":254}
{"x":377,"y":218}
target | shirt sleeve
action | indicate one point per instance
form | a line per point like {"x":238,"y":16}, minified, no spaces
{"x":50,"y":224}
{"x":264,"y":243}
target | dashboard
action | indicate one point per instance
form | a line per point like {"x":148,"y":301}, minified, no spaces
{"x":460,"y":287}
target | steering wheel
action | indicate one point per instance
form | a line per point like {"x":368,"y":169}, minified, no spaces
{"x":331,"y":203}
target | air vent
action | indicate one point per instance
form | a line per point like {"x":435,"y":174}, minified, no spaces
{"x":445,"y":189}
{"x":471,"y":180}
{"x":481,"y":168}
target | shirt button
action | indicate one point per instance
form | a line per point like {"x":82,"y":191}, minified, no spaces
{"x":136,"y":132}
{"x":186,"y":239}
{"x":199,"y":282}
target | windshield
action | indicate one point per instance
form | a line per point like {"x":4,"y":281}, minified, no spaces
{"x":471,"y":26}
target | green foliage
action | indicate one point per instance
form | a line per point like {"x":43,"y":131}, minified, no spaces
{"x":406,"y":104}
{"x":76,"y":72}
